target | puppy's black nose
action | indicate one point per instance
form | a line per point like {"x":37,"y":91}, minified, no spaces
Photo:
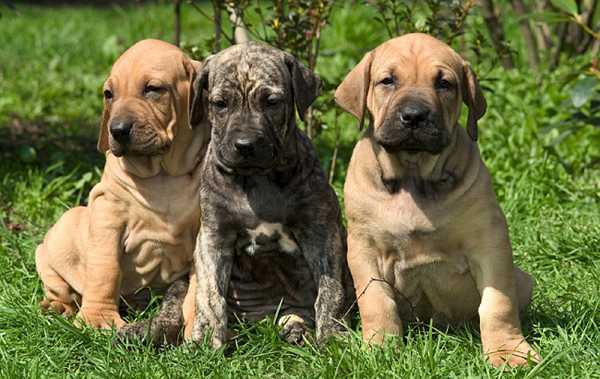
{"x":412,"y":115}
{"x":120,"y":130}
{"x":245,"y":147}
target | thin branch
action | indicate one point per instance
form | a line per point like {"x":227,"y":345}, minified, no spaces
{"x":562,"y":36}
{"x":239,"y":26}
{"x":177,"y":21}
{"x":218,"y":25}
{"x":460,"y":20}
{"x":280,"y":17}
{"x":591,"y":14}
{"x":532,"y":48}
{"x":335,"y":149}
{"x":589,"y":40}
{"x":496,"y":32}
{"x":586,"y":28}
{"x":316,"y":32}
{"x":239,"y":23}
{"x":263,"y":23}
{"x":542,"y":31}
{"x":403,"y":296}
{"x":595,"y":50}
{"x":228,"y":38}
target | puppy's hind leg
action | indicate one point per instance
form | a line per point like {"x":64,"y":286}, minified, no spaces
{"x":165,"y":327}
{"x":58,"y":261}
{"x":59,"y":297}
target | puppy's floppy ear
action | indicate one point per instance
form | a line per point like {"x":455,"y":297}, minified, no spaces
{"x":103,"y":133}
{"x":192,"y":68}
{"x":306,"y":85}
{"x":199,"y":86}
{"x":473,"y":97}
{"x":352,"y":93}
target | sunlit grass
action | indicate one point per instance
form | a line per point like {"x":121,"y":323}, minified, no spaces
{"x":53,"y":62}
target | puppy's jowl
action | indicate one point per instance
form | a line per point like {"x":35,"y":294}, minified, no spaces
{"x":271,"y":237}
{"x":140,"y":225}
{"x":426,"y":237}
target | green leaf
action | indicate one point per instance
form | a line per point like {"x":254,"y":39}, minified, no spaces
{"x":27,"y":153}
{"x":568,"y":6}
{"x":583,"y":90}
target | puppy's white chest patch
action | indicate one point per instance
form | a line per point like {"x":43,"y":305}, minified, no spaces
{"x":268,"y":237}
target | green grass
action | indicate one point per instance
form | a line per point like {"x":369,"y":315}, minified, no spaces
{"x":53,"y":63}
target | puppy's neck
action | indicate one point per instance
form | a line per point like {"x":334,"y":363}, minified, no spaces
{"x":431,"y":172}
{"x":183,"y":157}
{"x":140,"y":167}
{"x":297,"y":160}
{"x":403,"y":164}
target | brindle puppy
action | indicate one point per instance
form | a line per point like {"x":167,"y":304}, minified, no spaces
{"x":271,"y":238}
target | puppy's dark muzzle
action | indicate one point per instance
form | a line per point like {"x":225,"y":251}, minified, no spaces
{"x":252,"y":150}
{"x":245,"y":147}
{"x":413,"y":128}
{"x":413,"y":116}
{"x":247,"y":154}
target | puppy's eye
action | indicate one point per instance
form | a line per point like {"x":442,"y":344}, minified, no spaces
{"x":272,"y":100}
{"x":443,"y":85}
{"x":108,"y":95}
{"x":152,"y":89}
{"x":219,"y":104}
{"x":387,"y":81}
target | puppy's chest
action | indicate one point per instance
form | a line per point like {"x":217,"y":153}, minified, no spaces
{"x":415,"y":234}
{"x":159,"y":246}
{"x":164,"y":227}
{"x":265,"y":220}
{"x":404,"y":215}
{"x":266,"y":237}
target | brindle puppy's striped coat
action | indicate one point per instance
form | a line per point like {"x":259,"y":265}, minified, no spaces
{"x":271,"y":236}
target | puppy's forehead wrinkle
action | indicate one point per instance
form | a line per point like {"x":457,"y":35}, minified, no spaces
{"x":417,"y":51}
{"x":225,"y":86}
{"x":241,"y":73}
{"x":158,"y":75}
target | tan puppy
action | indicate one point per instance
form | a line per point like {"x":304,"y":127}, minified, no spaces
{"x":139,"y":228}
{"x":427,"y":239}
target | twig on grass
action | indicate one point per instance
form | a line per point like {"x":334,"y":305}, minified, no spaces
{"x":403,"y":296}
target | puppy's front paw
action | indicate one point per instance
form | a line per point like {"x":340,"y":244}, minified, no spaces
{"x":293,"y":329}
{"x":99,"y":318}
{"x":137,"y":331}
{"x":63,"y":309}
{"x":202,"y":333}
{"x":512,"y":354}
{"x":159,"y":332}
